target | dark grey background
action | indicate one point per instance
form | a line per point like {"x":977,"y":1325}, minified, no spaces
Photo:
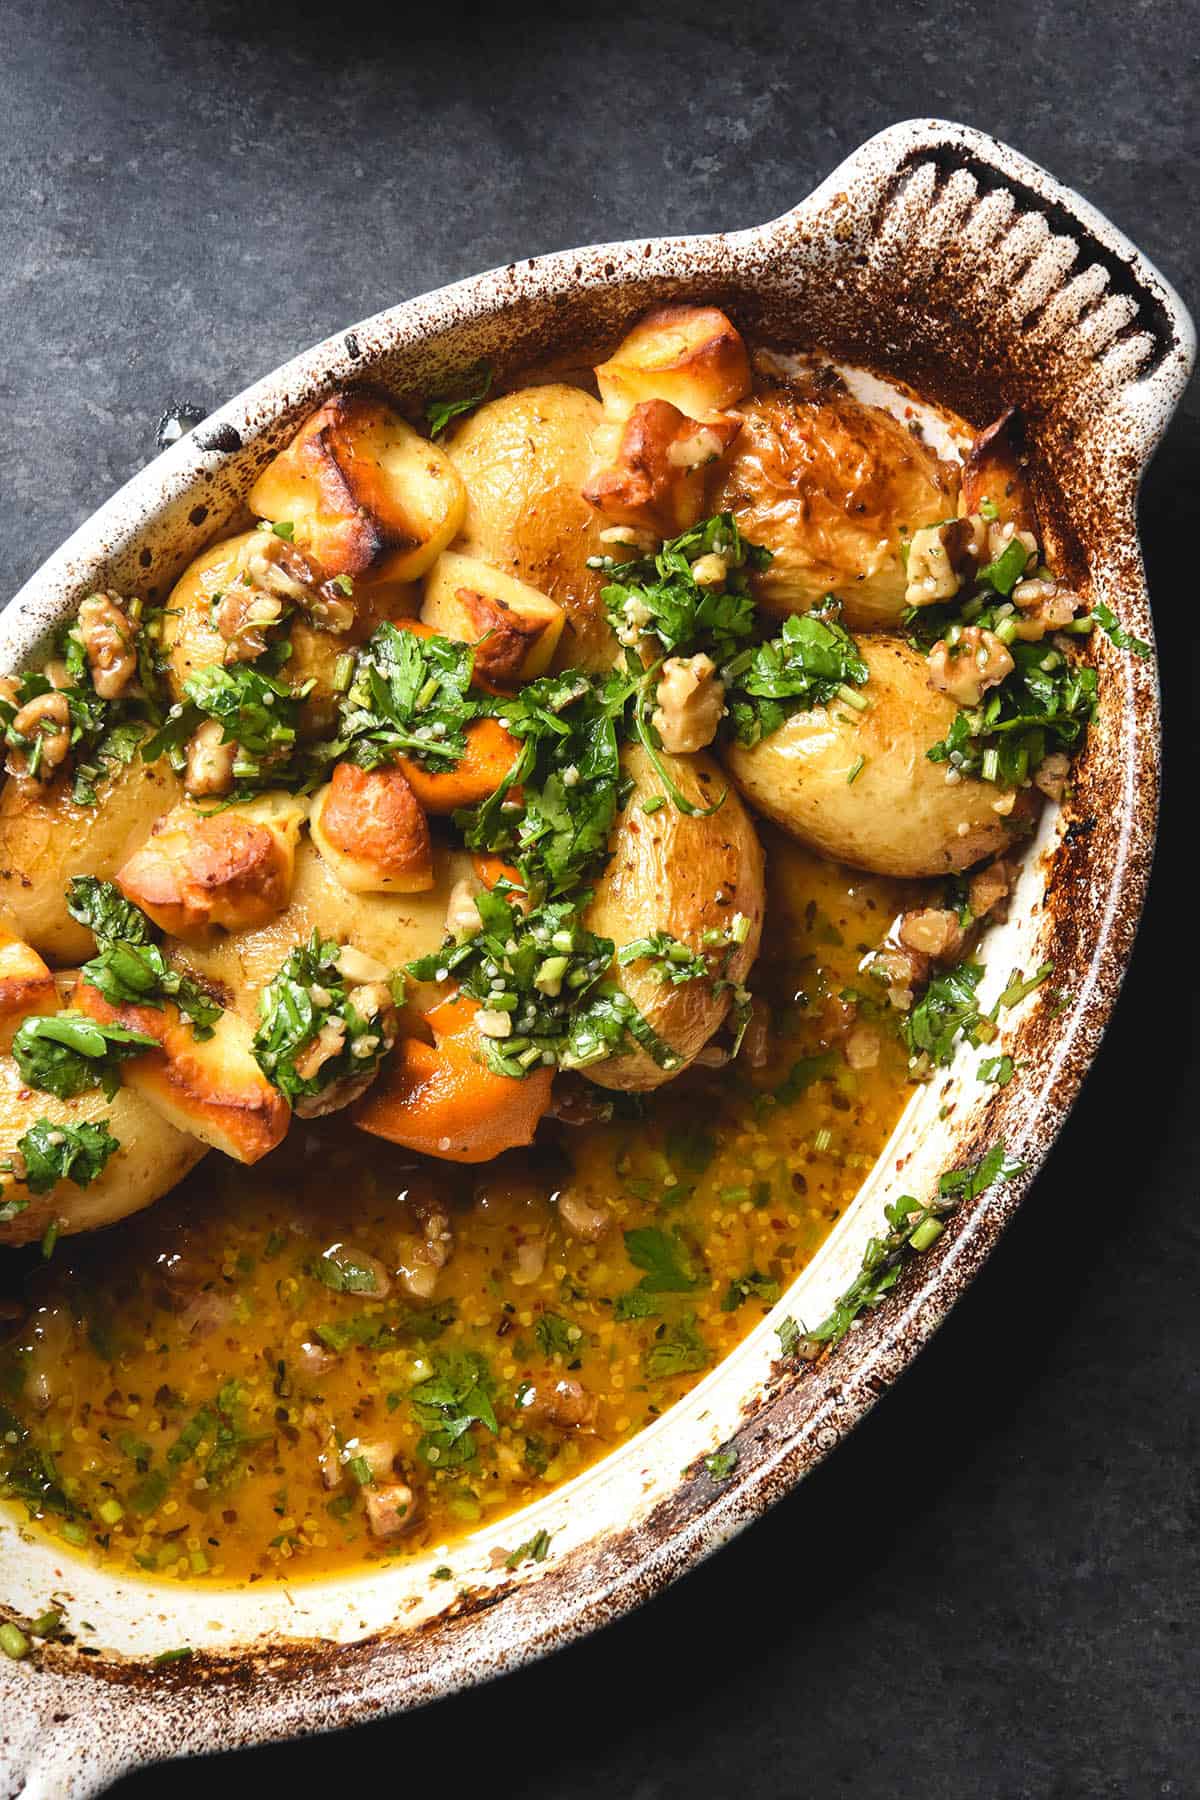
{"x":992,"y":1589}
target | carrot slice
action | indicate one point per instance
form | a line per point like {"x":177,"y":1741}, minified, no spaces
{"x":443,"y":1100}
{"x":490,"y":754}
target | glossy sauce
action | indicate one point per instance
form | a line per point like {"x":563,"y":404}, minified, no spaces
{"x":213,"y":1410}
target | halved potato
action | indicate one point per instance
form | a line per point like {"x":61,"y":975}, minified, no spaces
{"x":656,"y":479}
{"x":391,"y":929}
{"x":364,"y":493}
{"x":515,"y":628}
{"x":673,"y":872}
{"x":152,"y":1158}
{"x":832,"y":488}
{"x":525,"y":458}
{"x":211,"y":1087}
{"x":26,"y":985}
{"x":45,"y":838}
{"x":690,"y":355}
{"x":232,"y":870}
{"x":900,"y":815}
{"x":369,"y":827}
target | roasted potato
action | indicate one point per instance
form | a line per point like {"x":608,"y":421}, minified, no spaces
{"x":516,"y":629}
{"x":690,"y":355}
{"x":364,"y":493}
{"x":26,"y":985}
{"x":45,"y":838}
{"x":231,"y":870}
{"x":211,"y":1087}
{"x":192,"y":640}
{"x":995,"y":468}
{"x":369,"y":827}
{"x":900,"y":815}
{"x":389,"y":928}
{"x":525,"y":458}
{"x":832,"y":488}
{"x":657,"y":473}
{"x":668,"y":871}
{"x":152,"y":1158}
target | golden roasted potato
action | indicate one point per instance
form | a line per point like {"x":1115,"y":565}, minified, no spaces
{"x":192,"y":640}
{"x":525,"y":458}
{"x":152,"y":1158}
{"x":45,"y":838}
{"x":832,"y":488}
{"x":232,"y":870}
{"x":668,"y":871}
{"x":369,"y":827}
{"x":900,"y":815}
{"x":26,"y":985}
{"x":656,"y":479}
{"x":364,"y":493}
{"x":516,"y":629}
{"x":690,"y":355}
{"x":211,"y":1087}
{"x":390,"y":929}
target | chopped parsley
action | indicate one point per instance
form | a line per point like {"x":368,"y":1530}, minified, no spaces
{"x":749,"y":1287}
{"x":439,"y":413}
{"x":409,"y":696}
{"x":66,"y":1054}
{"x":1045,"y":704}
{"x":668,"y":1263}
{"x":555,"y":1336}
{"x":457,"y":1396}
{"x":129,"y":969}
{"x":678,"y":1349}
{"x":540,"y":980}
{"x":52,"y":1153}
{"x":256,"y":708}
{"x":721,"y":1464}
{"x":948,"y":1009}
{"x":812,"y":661}
{"x":912,"y":1227}
{"x":659,"y":597}
{"x":1116,"y":633}
{"x":309,"y":997}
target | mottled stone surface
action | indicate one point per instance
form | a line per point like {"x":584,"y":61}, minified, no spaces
{"x":992,"y":1590}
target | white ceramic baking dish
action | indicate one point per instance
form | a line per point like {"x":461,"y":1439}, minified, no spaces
{"x":933,"y":256}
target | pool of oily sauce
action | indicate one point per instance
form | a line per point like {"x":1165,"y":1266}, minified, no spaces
{"x":192,"y":1398}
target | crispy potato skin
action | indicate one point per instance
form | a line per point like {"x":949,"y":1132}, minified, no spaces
{"x":515,"y":628}
{"x":392,"y":928}
{"x":691,"y":356}
{"x":367,"y":496}
{"x":900,"y":816}
{"x":442,"y":1099}
{"x":230,"y":871}
{"x":212,"y":1088}
{"x":370,"y":829}
{"x":682,"y":875}
{"x":46,"y":838}
{"x":152,"y":1158}
{"x":26,"y":985}
{"x":525,"y":459}
{"x":826,"y":484}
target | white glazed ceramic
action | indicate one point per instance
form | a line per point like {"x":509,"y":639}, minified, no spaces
{"x":935,"y":256}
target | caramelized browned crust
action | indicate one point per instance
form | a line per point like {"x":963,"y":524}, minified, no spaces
{"x":994,"y":469}
{"x":197,"y":872}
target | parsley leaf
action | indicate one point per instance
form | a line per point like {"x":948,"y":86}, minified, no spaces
{"x":307,"y":998}
{"x":535,"y":1550}
{"x":408,"y":696}
{"x":66,"y":1054}
{"x":440,"y":412}
{"x":130,"y":970}
{"x":721,"y":1464}
{"x":678,"y":1349}
{"x":812,"y":660}
{"x":658,"y":597}
{"x":1106,"y":618}
{"x":555,"y":1336}
{"x":947,"y":1010}
{"x":1044,"y":704}
{"x":668,"y":1265}
{"x":671,"y":961}
{"x":52,"y":1153}
{"x":749,"y":1287}
{"x":456,"y":1397}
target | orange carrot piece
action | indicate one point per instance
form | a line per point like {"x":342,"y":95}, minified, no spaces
{"x":490,"y":754}
{"x":444,"y":1101}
